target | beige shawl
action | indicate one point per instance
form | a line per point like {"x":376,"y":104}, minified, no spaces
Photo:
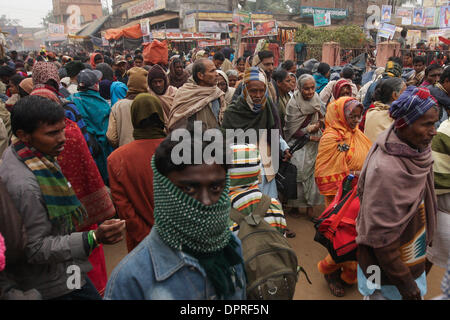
{"x":297,"y":110}
{"x":192,"y":98}
{"x":377,"y":120}
{"x":166,"y":100}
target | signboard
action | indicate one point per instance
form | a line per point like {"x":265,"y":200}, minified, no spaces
{"x":335,"y":13}
{"x":321,"y":20}
{"x":405,"y":14}
{"x":189,"y":21}
{"x":386,"y":13}
{"x":145,"y":7}
{"x":105,"y":42}
{"x":433,"y":36}
{"x":418,"y":17}
{"x":440,"y":3}
{"x":183,"y":35}
{"x":145,"y":27}
{"x":429,"y":3}
{"x":413,"y":37}
{"x":242,"y":17}
{"x":444,"y":18}
{"x":213,"y":26}
{"x":387,"y":31}
{"x":213,"y":43}
{"x":264,"y":28}
{"x":429,"y":15}
{"x":55,"y":28}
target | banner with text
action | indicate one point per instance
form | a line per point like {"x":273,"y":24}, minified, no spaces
{"x":335,"y":13}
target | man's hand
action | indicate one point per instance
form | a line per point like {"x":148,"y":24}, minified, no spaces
{"x":110,"y":231}
{"x":287,"y":156}
{"x":313,"y":138}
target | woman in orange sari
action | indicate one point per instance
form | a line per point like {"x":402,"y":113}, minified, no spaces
{"x":342,"y":150}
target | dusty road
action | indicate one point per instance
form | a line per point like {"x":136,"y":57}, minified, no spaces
{"x":309,"y":253}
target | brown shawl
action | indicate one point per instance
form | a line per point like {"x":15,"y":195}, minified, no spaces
{"x":394,"y":181}
{"x":177,"y":81}
{"x":191,"y":98}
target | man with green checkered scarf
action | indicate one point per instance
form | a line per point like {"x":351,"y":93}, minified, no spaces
{"x":190,"y":254}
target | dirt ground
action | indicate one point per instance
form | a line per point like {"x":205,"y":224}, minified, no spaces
{"x":309,"y":253}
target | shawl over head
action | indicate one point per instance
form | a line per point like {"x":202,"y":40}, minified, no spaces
{"x":43,"y":72}
{"x":93,"y":59}
{"x":177,"y":81}
{"x":230,"y":91}
{"x":137,"y":81}
{"x":190,"y":99}
{"x":338,"y":87}
{"x":142,"y":108}
{"x":157,"y":72}
{"x":402,"y":178}
{"x":297,"y":110}
{"x":118,"y":91}
{"x":334,"y":162}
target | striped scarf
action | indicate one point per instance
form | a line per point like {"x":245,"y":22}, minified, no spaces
{"x":64,"y":209}
{"x":244,"y":191}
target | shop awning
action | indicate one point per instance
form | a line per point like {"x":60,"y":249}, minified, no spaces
{"x":132,"y":32}
{"x":163,"y":17}
{"x":93,"y":27}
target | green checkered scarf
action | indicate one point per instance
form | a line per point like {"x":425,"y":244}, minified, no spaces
{"x":185,"y":224}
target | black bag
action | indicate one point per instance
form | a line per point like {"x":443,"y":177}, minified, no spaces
{"x":286,"y":180}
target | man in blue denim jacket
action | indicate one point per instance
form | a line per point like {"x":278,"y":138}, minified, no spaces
{"x":190,"y":254}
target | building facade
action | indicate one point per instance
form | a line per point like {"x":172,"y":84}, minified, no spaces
{"x":76,"y":13}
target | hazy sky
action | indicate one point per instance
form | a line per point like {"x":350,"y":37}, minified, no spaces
{"x":29,"y":12}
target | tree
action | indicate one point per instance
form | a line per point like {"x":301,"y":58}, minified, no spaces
{"x":7,"y":22}
{"x":273,"y":6}
{"x":49,"y":18}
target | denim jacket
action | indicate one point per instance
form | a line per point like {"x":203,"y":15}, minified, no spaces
{"x":154,"y":271}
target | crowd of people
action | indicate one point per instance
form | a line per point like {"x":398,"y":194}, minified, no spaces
{"x":87,"y":143}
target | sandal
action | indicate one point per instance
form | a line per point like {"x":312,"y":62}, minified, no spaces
{"x":289,"y":233}
{"x":336,"y":287}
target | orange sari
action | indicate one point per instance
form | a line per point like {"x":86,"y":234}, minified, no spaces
{"x":332,"y":165}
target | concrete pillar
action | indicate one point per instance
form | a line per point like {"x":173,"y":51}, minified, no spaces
{"x":385,"y":50}
{"x":331,"y":53}
{"x":289,"y":51}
